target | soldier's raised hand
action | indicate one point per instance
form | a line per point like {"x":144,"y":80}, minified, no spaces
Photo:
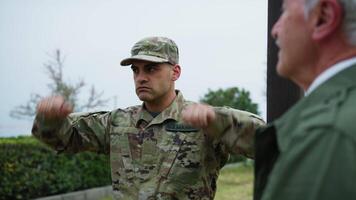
{"x":54,"y":107}
{"x":198,"y":115}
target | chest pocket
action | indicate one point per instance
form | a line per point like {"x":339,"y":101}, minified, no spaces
{"x":184,"y":156}
{"x":134,"y":152}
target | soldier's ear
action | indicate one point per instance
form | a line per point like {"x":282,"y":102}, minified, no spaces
{"x":176,"y":72}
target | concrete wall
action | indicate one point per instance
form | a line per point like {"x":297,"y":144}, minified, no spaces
{"x":90,"y":194}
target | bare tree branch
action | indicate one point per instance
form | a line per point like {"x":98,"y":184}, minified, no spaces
{"x":28,"y":110}
{"x":95,"y":100}
{"x":58,"y":86}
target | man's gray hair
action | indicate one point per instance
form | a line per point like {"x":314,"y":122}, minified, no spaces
{"x":349,"y":20}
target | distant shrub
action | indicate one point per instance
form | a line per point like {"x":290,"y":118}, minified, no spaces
{"x":30,"y":169}
{"x":236,"y":159}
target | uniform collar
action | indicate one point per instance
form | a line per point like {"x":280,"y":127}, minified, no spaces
{"x":173,"y":112}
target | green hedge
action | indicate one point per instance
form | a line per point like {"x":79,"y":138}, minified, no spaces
{"x":29,"y":169}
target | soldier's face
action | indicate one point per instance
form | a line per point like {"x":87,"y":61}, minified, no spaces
{"x":153,"y":81}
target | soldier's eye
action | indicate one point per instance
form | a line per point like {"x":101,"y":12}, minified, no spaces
{"x":151,"y":69}
{"x":134,"y":69}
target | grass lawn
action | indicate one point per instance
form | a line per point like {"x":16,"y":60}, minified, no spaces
{"x":235,"y":183}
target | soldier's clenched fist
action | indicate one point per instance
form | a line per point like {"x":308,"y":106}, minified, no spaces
{"x":198,"y":115}
{"x":54,"y":107}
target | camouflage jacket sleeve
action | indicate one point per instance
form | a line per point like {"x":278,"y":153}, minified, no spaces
{"x":77,"y":132}
{"x":236,"y":130}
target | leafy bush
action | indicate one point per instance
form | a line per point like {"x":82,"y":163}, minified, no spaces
{"x":30,"y":169}
{"x":236,"y":159}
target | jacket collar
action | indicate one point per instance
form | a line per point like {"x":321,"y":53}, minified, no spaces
{"x":172,"y":112}
{"x":320,"y":100}
{"x":330,"y":72}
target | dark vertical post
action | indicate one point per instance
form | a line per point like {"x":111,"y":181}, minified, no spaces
{"x":281,"y":93}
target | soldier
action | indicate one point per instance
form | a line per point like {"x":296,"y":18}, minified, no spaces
{"x":153,"y":153}
{"x":309,"y":153}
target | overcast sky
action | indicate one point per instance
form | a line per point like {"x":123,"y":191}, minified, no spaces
{"x":222,"y":43}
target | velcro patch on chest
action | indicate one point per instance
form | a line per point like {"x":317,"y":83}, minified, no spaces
{"x":177,"y":127}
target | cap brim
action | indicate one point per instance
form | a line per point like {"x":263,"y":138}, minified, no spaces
{"x":128,"y":61}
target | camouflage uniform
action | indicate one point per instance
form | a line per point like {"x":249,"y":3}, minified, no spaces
{"x":155,"y":157}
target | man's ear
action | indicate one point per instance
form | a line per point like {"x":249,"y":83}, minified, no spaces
{"x":176,"y":72}
{"x":327,"y":18}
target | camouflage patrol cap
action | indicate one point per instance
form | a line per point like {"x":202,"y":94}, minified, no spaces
{"x":153,"y":49}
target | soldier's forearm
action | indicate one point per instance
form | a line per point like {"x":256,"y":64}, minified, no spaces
{"x":236,"y":129}
{"x":77,"y":132}
{"x":47,"y":131}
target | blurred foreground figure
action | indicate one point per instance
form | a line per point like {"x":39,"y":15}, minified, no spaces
{"x":166,"y":148}
{"x":310,"y":152}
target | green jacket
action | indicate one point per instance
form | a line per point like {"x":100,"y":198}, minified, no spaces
{"x":310,"y":152}
{"x":155,"y":158}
